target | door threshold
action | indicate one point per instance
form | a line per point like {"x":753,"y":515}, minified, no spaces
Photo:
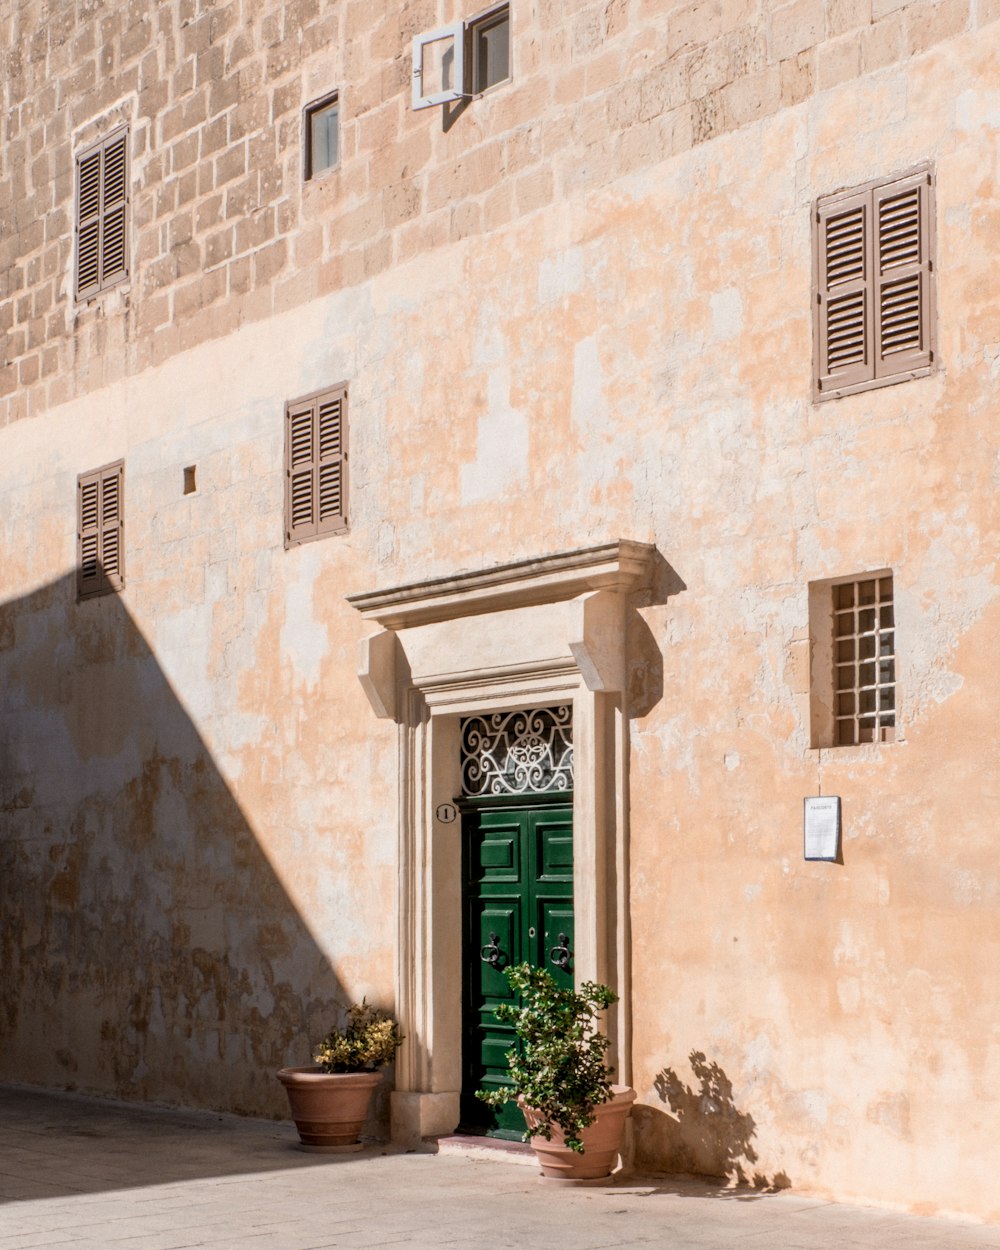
{"x":483,"y":1148}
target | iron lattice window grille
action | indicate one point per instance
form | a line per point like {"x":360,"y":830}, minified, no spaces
{"x":102,"y":199}
{"x":100,"y":564}
{"x":316,"y":466}
{"x":322,"y":135}
{"x":864,"y":661}
{"x":526,"y":752}
{"x":463,"y":59}
{"x":873,"y":255}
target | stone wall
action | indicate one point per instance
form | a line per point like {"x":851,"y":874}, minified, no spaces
{"x":223,"y":230}
{"x":562,"y":320}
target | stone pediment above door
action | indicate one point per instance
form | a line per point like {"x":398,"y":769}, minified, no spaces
{"x":561,"y":612}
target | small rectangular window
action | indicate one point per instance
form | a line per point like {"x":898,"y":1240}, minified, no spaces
{"x":853,"y":628}
{"x":102,"y":199}
{"x":462,"y":60}
{"x":322,"y":135}
{"x":490,"y":40}
{"x":873,"y":260}
{"x":100,"y":543}
{"x":316,"y":466}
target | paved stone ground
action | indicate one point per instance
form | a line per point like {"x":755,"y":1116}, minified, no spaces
{"x":79,"y":1174}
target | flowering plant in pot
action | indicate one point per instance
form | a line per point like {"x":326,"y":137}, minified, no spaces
{"x":559,"y":1076}
{"x":329,"y":1100}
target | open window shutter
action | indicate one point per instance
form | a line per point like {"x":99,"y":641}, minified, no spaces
{"x":844,"y":330}
{"x":439,"y":66}
{"x":902,"y":213}
{"x":100,"y":543}
{"x":88,"y":247}
{"x":114,"y":198}
{"x":331,"y":413}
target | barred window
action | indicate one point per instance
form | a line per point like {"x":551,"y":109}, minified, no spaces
{"x":853,"y":627}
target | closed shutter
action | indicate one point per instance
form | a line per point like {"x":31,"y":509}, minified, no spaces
{"x":315,"y":466}
{"x":874,"y":267}
{"x":844,"y":265}
{"x":902,"y":305}
{"x":102,"y":216}
{"x":100,"y":530}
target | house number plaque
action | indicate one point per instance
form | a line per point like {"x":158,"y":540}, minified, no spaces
{"x":445,"y":812}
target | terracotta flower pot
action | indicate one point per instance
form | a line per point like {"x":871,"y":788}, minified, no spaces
{"x":602,"y":1141}
{"x":329,"y":1108}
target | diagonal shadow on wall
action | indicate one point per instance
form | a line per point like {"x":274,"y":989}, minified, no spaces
{"x":149,"y":951}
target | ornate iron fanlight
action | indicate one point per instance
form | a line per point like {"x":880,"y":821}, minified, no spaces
{"x":526,"y":752}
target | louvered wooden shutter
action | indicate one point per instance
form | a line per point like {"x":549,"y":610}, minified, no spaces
{"x":875,"y":285}
{"x":315,"y":466}
{"x":102,"y":216}
{"x":100,"y":536}
{"x":902,"y":216}
{"x":843,"y":288}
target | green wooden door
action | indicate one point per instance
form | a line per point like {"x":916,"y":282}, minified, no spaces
{"x":518,"y":905}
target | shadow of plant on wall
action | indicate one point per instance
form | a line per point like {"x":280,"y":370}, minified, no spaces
{"x":713,"y":1137}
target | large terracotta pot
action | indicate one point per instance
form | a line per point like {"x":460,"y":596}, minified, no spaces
{"x":329,"y":1108}
{"x":602,"y":1141}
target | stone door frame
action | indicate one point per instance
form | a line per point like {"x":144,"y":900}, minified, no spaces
{"x":528,"y":634}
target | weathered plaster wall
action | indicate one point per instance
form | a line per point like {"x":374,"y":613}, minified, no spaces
{"x":184,"y":863}
{"x":204,"y":869}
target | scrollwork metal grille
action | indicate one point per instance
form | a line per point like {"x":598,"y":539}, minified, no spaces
{"x":526,"y":752}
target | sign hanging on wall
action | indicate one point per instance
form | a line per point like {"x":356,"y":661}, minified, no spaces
{"x":821,"y":828}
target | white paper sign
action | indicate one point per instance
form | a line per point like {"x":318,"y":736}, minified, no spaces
{"x":821,"y":828}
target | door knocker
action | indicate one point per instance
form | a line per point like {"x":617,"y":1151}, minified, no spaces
{"x":491,"y":953}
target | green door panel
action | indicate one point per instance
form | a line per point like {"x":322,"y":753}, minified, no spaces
{"x":518,"y":902}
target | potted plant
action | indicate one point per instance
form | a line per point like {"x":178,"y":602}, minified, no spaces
{"x":575,"y":1116}
{"x":329,"y":1100}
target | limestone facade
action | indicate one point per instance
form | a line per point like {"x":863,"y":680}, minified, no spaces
{"x":574,"y":316}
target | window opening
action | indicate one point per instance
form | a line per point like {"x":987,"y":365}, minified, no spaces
{"x":864,"y":661}
{"x":490,"y":39}
{"x":853,"y":696}
{"x":322,"y":135}
{"x":462,"y":60}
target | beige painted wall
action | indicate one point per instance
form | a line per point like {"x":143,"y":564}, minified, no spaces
{"x":206,"y":863}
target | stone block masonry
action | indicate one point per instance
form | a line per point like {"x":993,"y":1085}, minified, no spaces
{"x":213,"y":93}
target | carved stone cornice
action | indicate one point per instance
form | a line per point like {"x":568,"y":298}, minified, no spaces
{"x":622,"y":565}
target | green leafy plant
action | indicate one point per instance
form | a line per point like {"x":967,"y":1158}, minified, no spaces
{"x":369,"y":1041}
{"x":558,"y":1068}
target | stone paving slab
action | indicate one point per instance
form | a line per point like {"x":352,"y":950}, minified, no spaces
{"x":82,"y":1174}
